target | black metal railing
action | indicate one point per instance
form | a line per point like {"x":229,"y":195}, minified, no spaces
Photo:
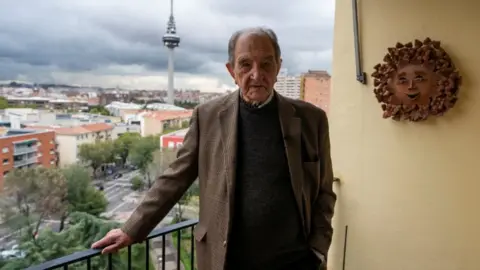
{"x":87,"y":255}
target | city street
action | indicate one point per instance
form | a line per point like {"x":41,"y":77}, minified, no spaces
{"x":115,"y":191}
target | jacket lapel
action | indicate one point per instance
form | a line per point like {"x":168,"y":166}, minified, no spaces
{"x":228,"y":117}
{"x":291,"y":128}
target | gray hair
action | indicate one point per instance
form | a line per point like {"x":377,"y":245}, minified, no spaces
{"x":260,"y":31}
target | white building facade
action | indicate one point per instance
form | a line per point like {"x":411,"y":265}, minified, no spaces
{"x":288,"y":85}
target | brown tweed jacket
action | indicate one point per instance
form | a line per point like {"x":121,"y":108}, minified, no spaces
{"x":209,"y":151}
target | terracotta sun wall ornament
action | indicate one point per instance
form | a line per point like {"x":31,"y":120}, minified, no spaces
{"x":416,"y":80}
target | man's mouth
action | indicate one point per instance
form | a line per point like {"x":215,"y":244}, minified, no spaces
{"x":413,"y":96}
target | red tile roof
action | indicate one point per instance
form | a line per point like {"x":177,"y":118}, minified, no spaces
{"x":76,"y":130}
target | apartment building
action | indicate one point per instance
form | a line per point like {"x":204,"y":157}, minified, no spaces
{"x":288,"y":85}
{"x":49,"y":103}
{"x":22,"y":148}
{"x":122,"y":128}
{"x":70,"y":138}
{"x":174,"y":139}
{"x":156,"y":122}
{"x":315,"y":88}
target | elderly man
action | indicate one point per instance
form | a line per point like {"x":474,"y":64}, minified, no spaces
{"x":265,"y":172}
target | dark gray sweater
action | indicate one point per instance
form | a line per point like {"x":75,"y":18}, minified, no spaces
{"x":266,"y":232}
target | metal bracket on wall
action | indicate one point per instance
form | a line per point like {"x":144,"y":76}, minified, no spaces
{"x":361,"y":76}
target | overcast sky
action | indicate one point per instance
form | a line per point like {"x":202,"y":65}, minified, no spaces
{"x":119,"y":42}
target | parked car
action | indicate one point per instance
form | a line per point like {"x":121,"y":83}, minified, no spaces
{"x":118,"y":175}
{"x":12,"y":253}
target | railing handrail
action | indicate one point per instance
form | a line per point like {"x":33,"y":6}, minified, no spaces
{"x":89,"y":253}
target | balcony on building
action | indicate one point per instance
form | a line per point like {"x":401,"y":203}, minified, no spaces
{"x":25,"y":147}
{"x":409,"y":192}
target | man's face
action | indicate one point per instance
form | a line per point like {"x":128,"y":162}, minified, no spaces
{"x":255,"y":68}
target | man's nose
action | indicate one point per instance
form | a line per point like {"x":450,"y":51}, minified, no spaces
{"x":256,"y":74}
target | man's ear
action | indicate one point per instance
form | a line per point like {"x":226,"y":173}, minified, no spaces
{"x":279,"y":65}
{"x":230,"y":70}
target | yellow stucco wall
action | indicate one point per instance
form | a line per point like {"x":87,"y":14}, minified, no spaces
{"x":410,"y":193}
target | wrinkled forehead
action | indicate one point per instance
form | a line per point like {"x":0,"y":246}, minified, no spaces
{"x":252,"y":46}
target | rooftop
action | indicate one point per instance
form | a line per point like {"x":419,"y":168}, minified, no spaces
{"x":178,"y":133}
{"x":6,"y":132}
{"x":75,"y":130}
{"x":167,"y":115}
{"x":134,"y":106}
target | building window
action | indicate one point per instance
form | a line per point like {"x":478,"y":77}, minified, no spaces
{"x":5,"y":150}
{"x":5,"y":161}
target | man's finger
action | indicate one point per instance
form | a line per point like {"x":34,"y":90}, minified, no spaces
{"x":111,"y":248}
{"x":105,"y":241}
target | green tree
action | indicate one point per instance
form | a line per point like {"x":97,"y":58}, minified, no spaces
{"x":96,"y":154}
{"x":123,"y":145}
{"x":141,"y":155}
{"x":3,"y":103}
{"x":137,"y":183}
{"x":81,"y":195}
{"x":82,"y":230}
{"x":99,"y":110}
{"x":33,"y":194}
{"x":162,"y":159}
{"x":181,"y":204}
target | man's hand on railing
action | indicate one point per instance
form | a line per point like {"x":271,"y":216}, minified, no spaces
{"x":115,"y":240}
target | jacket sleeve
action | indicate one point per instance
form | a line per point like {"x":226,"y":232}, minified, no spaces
{"x":323,"y":207}
{"x":168,"y":188}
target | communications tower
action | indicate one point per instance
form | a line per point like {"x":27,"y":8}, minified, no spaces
{"x":171,"y":40}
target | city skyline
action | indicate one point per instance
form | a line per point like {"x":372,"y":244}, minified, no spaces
{"x":119,"y":43}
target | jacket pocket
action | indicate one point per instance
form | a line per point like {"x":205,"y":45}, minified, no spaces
{"x":200,"y":232}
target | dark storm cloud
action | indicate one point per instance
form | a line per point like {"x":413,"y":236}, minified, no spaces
{"x":75,"y":36}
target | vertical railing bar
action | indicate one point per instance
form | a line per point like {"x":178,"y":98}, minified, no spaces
{"x":163,"y":251}
{"x":110,"y":261}
{"x":89,"y":264}
{"x":192,"y":248}
{"x":147,"y":254}
{"x":129,"y":262}
{"x":179,"y":245}
{"x":65,"y":267}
